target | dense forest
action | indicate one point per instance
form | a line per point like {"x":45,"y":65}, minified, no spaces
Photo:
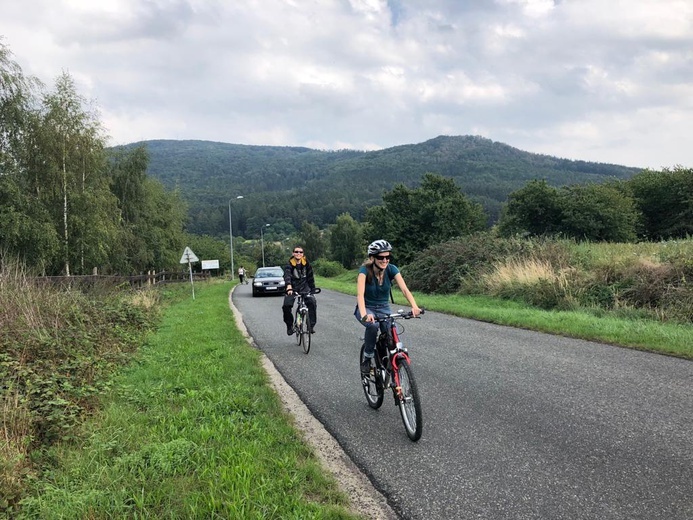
{"x":285,"y":186}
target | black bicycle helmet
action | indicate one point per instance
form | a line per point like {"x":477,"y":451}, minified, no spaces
{"x":379,"y":246}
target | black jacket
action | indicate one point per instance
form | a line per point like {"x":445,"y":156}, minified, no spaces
{"x":299,"y":275}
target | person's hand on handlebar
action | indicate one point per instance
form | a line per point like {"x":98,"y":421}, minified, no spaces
{"x":289,"y":290}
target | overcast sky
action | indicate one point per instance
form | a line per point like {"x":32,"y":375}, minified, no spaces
{"x":596,"y":80}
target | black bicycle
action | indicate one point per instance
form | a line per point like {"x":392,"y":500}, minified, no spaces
{"x":391,"y":367}
{"x":302,"y":321}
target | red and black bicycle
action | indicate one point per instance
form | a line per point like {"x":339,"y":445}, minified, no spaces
{"x":391,"y":367}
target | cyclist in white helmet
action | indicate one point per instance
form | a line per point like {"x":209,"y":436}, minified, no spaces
{"x":373,"y":286}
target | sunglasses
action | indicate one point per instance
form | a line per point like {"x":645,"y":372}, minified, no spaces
{"x":298,"y":251}
{"x":382,"y":257}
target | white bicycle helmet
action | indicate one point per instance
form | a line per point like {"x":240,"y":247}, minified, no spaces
{"x":379,"y":246}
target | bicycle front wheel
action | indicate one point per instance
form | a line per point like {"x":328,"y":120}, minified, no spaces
{"x":305,"y":332}
{"x":298,"y":327}
{"x":408,"y":401}
{"x":372,"y":385}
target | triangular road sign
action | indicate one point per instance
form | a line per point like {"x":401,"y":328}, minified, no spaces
{"x":188,"y":256}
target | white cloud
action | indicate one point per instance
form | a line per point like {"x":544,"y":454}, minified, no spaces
{"x":584,"y":79}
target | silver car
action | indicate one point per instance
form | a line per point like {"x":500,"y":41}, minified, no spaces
{"x":269,"y":280}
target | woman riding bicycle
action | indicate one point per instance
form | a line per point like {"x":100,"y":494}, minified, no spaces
{"x":373,"y":290}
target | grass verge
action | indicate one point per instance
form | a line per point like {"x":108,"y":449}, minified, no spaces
{"x":192,"y":430}
{"x":649,"y":335}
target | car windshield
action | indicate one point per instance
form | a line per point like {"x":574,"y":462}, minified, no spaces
{"x":269,"y":273}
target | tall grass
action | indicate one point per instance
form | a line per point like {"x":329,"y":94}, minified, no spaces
{"x":192,"y":430}
{"x":532,"y":279}
{"x":648,"y":281}
{"x":58,"y":350}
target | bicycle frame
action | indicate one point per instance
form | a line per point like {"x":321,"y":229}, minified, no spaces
{"x":301,"y":305}
{"x":399,"y":353}
{"x":395,"y":351}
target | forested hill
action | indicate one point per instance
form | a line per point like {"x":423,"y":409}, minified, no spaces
{"x":292,"y":184}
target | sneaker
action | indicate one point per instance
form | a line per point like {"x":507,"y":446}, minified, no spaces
{"x":366,"y":367}
{"x":289,"y":330}
{"x":312,"y":329}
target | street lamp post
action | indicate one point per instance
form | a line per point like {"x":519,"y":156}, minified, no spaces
{"x":231,"y":238}
{"x":262,"y":242}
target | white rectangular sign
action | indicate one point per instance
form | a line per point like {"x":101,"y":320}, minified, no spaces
{"x":210,"y":264}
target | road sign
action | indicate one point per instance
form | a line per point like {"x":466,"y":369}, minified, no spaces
{"x":210,"y":264}
{"x":188,"y":256}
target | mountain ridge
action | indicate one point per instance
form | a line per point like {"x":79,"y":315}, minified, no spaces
{"x":289,"y":184}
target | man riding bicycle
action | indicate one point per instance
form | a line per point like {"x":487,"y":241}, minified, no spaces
{"x":299,"y":278}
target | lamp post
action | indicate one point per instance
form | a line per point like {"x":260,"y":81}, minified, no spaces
{"x":233,"y":273}
{"x":262,"y":242}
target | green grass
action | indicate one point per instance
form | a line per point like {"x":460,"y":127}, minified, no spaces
{"x":192,"y":430}
{"x":649,"y":335}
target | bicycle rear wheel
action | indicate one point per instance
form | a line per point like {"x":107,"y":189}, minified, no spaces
{"x":372,"y":385}
{"x":408,"y":401}
{"x":305,"y":332}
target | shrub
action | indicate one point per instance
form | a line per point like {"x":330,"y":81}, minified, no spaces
{"x":652,"y":280}
{"x":457,"y":265}
{"x":677,"y":303}
{"x":328,"y":268}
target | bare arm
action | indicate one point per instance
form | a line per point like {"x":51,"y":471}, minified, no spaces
{"x":407,"y":294}
{"x":361,"y":297}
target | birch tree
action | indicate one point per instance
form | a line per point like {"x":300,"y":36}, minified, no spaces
{"x":25,"y":231}
{"x":71,"y":171}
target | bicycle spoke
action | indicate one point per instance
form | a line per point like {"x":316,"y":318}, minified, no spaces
{"x":372,"y":386}
{"x":409,"y":403}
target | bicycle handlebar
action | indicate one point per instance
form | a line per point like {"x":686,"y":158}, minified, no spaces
{"x":399,"y":314}
{"x":317,"y":290}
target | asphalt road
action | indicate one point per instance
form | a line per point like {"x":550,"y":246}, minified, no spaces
{"x":517,"y":424}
